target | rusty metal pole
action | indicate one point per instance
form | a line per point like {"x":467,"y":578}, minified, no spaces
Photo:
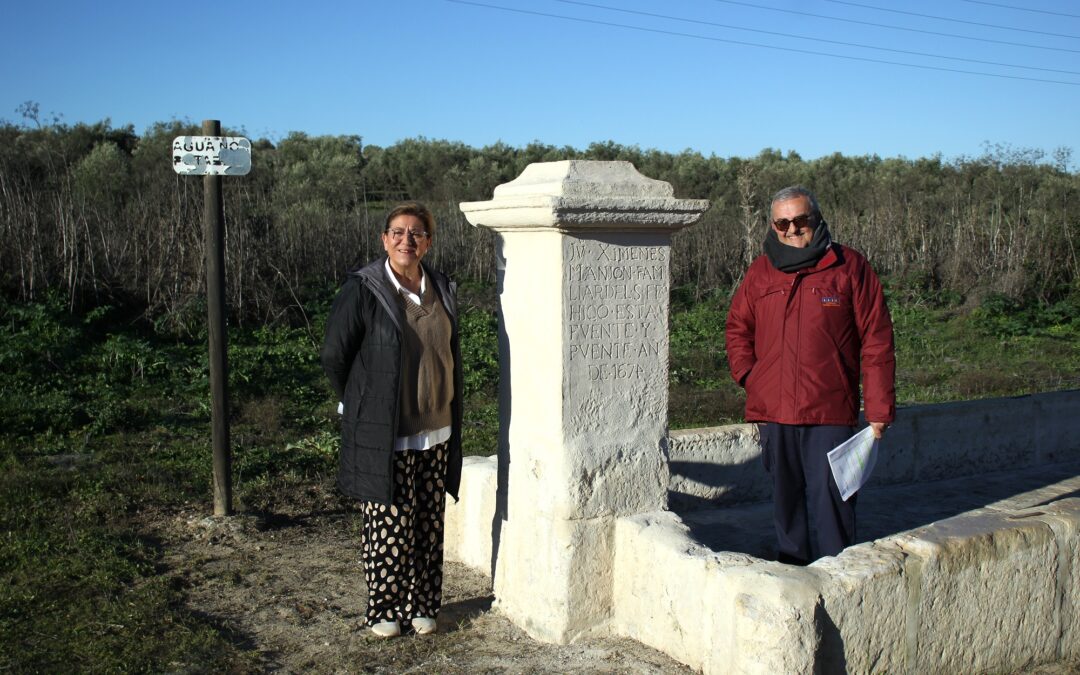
{"x":214,"y":239}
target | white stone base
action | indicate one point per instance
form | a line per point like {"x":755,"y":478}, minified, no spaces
{"x":996,"y":589}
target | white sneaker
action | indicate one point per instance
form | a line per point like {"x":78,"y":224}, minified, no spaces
{"x":424,"y":626}
{"x":387,"y":629}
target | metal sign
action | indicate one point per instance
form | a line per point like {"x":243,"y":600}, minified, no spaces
{"x":211,"y":155}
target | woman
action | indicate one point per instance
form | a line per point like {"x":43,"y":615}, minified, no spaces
{"x":392,"y":355}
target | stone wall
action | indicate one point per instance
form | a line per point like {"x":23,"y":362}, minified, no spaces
{"x":994,"y":589}
{"x":722,"y":465}
{"x":990,"y":591}
{"x":719,"y":466}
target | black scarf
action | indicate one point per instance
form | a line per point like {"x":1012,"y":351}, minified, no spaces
{"x":790,"y":259}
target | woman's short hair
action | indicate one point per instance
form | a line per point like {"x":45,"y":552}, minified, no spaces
{"x":412,"y":209}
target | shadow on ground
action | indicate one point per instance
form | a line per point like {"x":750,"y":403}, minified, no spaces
{"x":888,"y":510}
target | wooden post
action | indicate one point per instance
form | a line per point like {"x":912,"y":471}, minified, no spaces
{"x":214,"y":239}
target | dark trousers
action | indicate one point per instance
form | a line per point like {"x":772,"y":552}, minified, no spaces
{"x":805,"y":496}
{"x":402,"y":543}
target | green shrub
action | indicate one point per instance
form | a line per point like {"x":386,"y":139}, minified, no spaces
{"x":479,"y":350}
{"x":1002,"y":316}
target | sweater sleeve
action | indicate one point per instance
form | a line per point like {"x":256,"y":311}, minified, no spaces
{"x":878,"y":355}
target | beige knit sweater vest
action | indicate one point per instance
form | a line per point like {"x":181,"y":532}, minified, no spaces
{"x":427,"y":378}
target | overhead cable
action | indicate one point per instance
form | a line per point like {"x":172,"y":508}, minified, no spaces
{"x":761,"y":46}
{"x":1021,"y":9}
{"x":945,"y":18}
{"x":901,"y":28}
{"x":788,"y":35}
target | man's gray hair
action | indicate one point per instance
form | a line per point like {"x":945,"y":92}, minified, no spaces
{"x":794,"y":192}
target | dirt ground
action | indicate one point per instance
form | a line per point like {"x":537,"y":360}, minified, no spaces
{"x":289,"y":585}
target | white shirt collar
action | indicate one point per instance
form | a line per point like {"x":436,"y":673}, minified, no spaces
{"x":401,"y":289}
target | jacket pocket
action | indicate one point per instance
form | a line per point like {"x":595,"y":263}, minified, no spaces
{"x":776,"y":289}
{"x":760,"y":381}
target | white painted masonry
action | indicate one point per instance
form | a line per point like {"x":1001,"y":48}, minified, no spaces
{"x":924,"y":600}
{"x":584,"y":380}
{"x":575,"y":505}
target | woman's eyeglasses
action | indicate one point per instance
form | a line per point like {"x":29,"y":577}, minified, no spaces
{"x":414,"y":235}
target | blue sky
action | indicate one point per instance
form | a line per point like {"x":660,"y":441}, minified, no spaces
{"x":729,"y":78}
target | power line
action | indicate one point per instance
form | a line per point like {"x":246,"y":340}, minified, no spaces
{"x":945,"y":18}
{"x":893,"y":27}
{"x":787,"y":35}
{"x":1021,"y":9}
{"x":761,"y":46}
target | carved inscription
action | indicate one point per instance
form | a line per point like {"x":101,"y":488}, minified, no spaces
{"x":616,"y":318}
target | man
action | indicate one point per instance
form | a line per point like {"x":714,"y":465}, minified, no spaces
{"x":808,"y":316}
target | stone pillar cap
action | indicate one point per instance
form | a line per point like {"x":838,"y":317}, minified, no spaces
{"x":581,"y":194}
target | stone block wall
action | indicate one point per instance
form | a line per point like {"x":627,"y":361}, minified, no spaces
{"x":988,"y":591}
{"x":995,"y":589}
{"x":722,"y":465}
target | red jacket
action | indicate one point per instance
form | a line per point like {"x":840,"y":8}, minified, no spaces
{"x":799,"y":340}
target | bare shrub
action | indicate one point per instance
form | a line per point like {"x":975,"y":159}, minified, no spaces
{"x":99,"y":213}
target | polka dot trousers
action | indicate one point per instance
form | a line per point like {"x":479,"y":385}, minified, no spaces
{"x":402,"y":544}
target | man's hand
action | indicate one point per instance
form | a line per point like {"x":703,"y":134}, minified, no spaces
{"x":879,"y":428}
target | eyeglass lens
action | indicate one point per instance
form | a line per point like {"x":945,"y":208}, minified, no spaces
{"x":413,"y":234}
{"x":800,"y":222}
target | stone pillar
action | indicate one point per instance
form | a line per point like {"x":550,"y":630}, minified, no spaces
{"x":584,"y":251}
